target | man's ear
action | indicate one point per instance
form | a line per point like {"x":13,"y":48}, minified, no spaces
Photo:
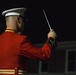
{"x":18,"y":23}
{"x":18,"y":19}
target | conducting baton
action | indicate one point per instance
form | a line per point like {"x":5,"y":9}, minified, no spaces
{"x":47,"y":20}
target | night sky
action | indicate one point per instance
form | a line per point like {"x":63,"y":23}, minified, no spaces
{"x":61,"y":15}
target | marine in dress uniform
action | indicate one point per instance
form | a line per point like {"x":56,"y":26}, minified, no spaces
{"x":14,"y":46}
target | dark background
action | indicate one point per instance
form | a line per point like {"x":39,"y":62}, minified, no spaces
{"x":61,"y":15}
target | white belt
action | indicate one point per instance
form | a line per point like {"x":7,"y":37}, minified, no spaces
{"x":8,"y":71}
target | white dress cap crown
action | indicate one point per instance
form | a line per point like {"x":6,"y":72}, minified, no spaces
{"x":14,"y":11}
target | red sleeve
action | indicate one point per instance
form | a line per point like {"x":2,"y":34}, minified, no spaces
{"x":29,"y":50}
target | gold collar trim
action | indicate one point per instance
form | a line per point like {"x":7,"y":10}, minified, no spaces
{"x":9,"y":30}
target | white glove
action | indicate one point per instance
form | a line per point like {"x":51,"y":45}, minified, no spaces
{"x":52,"y":34}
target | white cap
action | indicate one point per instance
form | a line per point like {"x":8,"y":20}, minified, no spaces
{"x":14,"y":12}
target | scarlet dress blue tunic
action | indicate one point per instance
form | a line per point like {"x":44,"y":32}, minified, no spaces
{"x":14,"y":46}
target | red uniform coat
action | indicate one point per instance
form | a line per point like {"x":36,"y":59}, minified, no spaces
{"x":13,"y":46}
